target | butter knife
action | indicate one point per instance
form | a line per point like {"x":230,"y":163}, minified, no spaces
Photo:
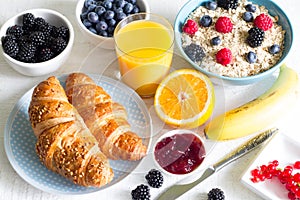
{"x":177,"y":190}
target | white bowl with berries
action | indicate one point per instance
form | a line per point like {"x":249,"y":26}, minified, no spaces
{"x":36,"y":42}
{"x":234,"y":42}
{"x":97,"y":19}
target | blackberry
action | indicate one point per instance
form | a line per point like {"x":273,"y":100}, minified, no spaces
{"x":7,"y":38}
{"x":62,"y":32}
{"x":141,"y":192}
{"x":216,"y":194}
{"x":255,"y":37}
{"x":45,"y":54}
{"x":58,"y":45}
{"x":46,"y":29}
{"x":227,"y":4}
{"x":15,"y":30}
{"x":39,"y":21}
{"x":37,"y":38}
{"x":28,"y":21}
{"x":10,"y":47}
{"x":27,"y":52}
{"x":194,"y":52}
{"x":22,"y":40}
{"x":154,"y":178}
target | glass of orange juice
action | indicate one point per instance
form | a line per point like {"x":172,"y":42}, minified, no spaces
{"x":144,"y":46}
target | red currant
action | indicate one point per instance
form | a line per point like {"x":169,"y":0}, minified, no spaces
{"x":297,"y":165}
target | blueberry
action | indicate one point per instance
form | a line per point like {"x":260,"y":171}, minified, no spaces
{"x":211,"y":5}
{"x":87,"y":3}
{"x":100,"y":10}
{"x":83,"y":15}
{"x":128,"y":8}
{"x":121,"y":16}
{"x":111,"y":29}
{"x":107,"y":4}
{"x":248,"y":16}
{"x":93,"y":30}
{"x":103,"y":33}
{"x":118,"y":10}
{"x":109,"y":14}
{"x":91,"y":7}
{"x":120,"y":3}
{"x":111,"y":22}
{"x":274,"y":49}
{"x":135,"y":9}
{"x":86,"y":23}
{"x":251,"y":57}
{"x":216,"y":41}
{"x":132,"y":1}
{"x":93,"y":17}
{"x":101,"y":26}
{"x":205,"y":21}
{"x":250,"y":7}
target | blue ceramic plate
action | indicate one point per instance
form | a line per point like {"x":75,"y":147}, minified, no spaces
{"x":19,"y":140}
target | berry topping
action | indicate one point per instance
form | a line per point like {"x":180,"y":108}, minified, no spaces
{"x":228,"y":4}
{"x":216,"y":41}
{"x":263,"y":22}
{"x":224,"y":56}
{"x":274,"y":49}
{"x":194,"y":52}
{"x":215,"y":194}
{"x":190,"y":27}
{"x":248,"y":17}
{"x":211,"y":5}
{"x":250,"y":7}
{"x":251,"y":57}
{"x":223,"y":25}
{"x":206,"y":21}
{"x":141,"y":192}
{"x":255,"y":37}
{"x":154,"y":178}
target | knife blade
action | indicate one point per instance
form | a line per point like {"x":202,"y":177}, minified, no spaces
{"x":176,"y":191}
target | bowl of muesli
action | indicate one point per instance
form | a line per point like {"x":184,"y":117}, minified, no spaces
{"x":235,"y":42}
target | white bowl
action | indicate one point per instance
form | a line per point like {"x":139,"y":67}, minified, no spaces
{"x":180,"y":132}
{"x":103,"y":42}
{"x":41,"y":68}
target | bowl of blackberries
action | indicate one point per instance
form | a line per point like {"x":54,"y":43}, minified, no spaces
{"x":36,"y":42}
{"x":97,"y":19}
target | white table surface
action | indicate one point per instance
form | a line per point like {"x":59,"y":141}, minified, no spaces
{"x":86,"y":58}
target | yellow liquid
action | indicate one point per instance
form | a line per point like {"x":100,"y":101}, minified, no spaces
{"x":144,"y":50}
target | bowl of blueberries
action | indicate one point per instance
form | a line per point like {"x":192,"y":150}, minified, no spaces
{"x":97,"y":19}
{"x":36,"y":42}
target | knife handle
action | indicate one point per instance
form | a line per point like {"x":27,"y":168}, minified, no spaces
{"x":245,"y":147}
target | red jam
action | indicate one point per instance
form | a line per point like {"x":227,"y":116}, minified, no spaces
{"x":180,"y":153}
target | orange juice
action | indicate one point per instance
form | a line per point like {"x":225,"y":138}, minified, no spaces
{"x":144,"y":49}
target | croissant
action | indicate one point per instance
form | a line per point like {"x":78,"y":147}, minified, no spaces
{"x":106,"y":119}
{"x":65,"y":145}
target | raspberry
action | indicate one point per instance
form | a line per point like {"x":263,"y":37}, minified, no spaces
{"x":223,"y":25}
{"x":263,"y":22}
{"x":190,"y":27}
{"x":224,"y":56}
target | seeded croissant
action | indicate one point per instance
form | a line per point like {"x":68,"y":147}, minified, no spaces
{"x":65,"y":145}
{"x":106,"y":119}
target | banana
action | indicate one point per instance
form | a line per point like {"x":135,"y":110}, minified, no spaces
{"x":259,"y":113}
